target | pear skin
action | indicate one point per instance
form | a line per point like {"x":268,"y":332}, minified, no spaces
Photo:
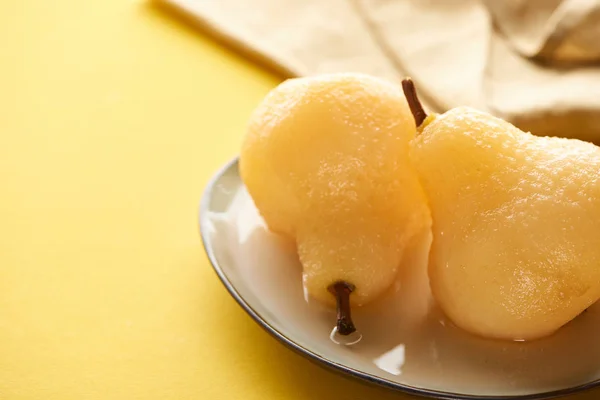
{"x":325,"y":160}
{"x":516,"y":217}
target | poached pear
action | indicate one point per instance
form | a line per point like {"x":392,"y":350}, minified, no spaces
{"x":325,"y":160}
{"x":516,"y":222}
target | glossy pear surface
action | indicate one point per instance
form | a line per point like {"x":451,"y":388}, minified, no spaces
{"x":516,"y":224}
{"x":325,"y":160}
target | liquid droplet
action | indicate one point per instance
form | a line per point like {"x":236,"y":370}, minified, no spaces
{"x":345,"y":340}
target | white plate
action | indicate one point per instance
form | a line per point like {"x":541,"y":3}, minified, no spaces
{"x":407,"y":343}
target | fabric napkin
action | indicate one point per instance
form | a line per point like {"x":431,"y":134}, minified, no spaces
{"x":535,"y":63}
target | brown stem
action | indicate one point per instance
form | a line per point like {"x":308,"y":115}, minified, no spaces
{"x":341,"y":290}
{"x":416,"y":108}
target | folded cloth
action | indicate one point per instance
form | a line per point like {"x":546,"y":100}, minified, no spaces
{"x":535,"y":63}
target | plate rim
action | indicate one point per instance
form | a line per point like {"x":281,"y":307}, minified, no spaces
{"x":321,"y":361}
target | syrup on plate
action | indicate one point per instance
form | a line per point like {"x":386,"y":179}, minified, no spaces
{"x":403,"y":336}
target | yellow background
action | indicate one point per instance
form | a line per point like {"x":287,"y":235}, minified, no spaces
{"x":113,"y":116}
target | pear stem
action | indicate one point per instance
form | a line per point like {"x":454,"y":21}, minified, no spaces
{"x":416,"y":108}
{"x":341,"y":290}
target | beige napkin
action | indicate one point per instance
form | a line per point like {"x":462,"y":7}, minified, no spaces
{"x":532,"y":62}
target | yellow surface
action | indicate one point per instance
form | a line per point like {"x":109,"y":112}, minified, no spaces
{"x":113,"y":116}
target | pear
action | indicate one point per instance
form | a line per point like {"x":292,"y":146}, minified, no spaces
{"x":325,"y":161}
{"x":516,"y":222}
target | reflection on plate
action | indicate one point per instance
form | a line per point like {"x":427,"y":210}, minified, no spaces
{"x":407,"y":344}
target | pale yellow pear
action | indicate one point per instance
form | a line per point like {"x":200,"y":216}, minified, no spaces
{"x":325,"y":160}
{"x":516,"y":224}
